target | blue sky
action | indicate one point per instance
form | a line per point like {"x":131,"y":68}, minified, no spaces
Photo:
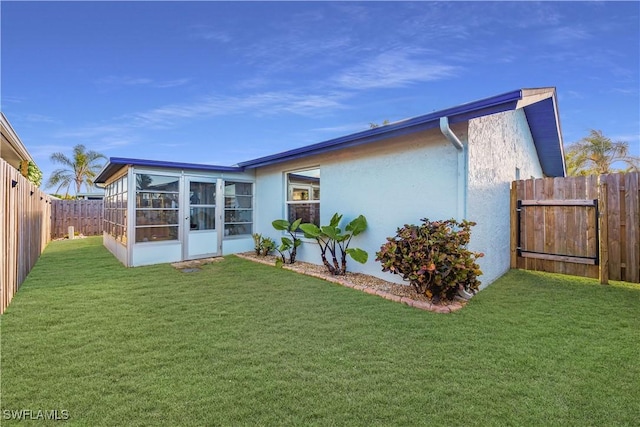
{"x":223,"y":82}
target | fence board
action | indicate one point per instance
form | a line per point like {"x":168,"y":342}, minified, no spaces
{"x":571,"y":231}
{"x":613,"y":190}
{"x":84,"y":215}
{"x":632,"y":221}
{"x":25,"y":229}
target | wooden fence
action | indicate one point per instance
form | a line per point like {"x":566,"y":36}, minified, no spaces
{"x":25,"y":229}
{"x":84,"y":215}
{"x":585,"y":226}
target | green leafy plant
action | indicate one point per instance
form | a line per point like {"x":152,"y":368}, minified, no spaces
{"x":257,"y":243}
{"x":268,"y":245}
{"x":289,"y":245}
{"x":34,"y":174}
{"x":433,"y":257}
{"x":262,"y":245}
{"x":331,"y":238}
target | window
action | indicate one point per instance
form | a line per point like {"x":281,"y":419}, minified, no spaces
{"x":115,"y":209}
{"x":157,"y":205}
{"x":238,"y":208}
{"x":303,"y":196}
{"x":202,"y":209}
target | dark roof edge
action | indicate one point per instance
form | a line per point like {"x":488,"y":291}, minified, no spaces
{"x":463,"y":112}
{"x":115,"y":163}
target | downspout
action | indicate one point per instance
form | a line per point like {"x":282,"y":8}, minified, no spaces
{"x":462,"y":166}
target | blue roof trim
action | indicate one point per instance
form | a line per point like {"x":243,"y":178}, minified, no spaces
{"x":546,"y":135}
{"x":541,"y":115}
{"x":115,"y":163}
{"x":496,"y":104}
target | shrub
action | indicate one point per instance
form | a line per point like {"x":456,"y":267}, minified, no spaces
{"x":433,"y":258}
{"x":257,"y":243}
{"x":289,"y":245}
{"x":268,"y":245}
{"x":331,"y":237}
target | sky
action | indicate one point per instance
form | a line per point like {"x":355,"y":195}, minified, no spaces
{"x":225,"y":82}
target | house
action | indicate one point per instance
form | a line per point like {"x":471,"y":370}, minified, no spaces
{"x":455,"y":163}
{"x":12,"y":150}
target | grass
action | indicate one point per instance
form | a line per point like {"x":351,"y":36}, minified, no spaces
{"x":239,"y":343}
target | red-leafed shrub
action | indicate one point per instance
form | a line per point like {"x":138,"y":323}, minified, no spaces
{"x":433,"y":257}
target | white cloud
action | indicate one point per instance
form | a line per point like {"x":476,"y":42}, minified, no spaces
{"x":142,"y":81}
{"x":566,"y":35}
{"x":205,"y":32}
{"x":167,"y":116}
{"x":394,"y":69}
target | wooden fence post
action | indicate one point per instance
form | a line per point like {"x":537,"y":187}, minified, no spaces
{"x":603,"y":232}
{"x":514,"y":224}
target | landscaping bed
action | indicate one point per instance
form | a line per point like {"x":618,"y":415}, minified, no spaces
{"x":404,"y":294}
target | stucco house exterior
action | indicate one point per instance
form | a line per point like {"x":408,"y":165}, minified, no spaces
{"x":454,"y":163}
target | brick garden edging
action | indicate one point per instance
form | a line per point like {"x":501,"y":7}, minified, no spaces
{"x":422,"y":305}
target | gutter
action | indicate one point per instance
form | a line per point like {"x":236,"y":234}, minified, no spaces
{"x":463,"y":160}
{"x":448,"y":133}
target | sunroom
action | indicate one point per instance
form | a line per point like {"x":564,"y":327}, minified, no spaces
{"x":166,"y":211}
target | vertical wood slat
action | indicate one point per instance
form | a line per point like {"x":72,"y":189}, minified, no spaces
{"x":591,"y":193}
{"x":86,"y":216}
{"x":632,"y":220}
{"x":613,"y":201}
{"x":603,"y":270}
{"x":572,"y":230}
{"x":513,"y":198}
{"x":24,"y":229}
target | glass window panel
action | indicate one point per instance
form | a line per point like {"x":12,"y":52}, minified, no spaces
{"x":156,"y":200}
{"x":301,"y":185}
{"x":244,"y":202}
{"x":299,"y":193}
{"x":202,"y":218}
{"x":234,"y":215}
{"x":237,"y":229}
{"x":124,"y":184}
{"x":156,"y":217}
{"x":148,"y":182}
{"x":202,"y":193}
{"x":232,"y":188}
{"x":309,"y":212}
{"x":156,"y":234}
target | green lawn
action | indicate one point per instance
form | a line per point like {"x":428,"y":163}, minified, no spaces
{"x":239,"y":343}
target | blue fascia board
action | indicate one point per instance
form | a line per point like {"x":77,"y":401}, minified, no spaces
{"x":115,"y":163}
{"x":541,"y":116}
{"x":464,"y":112}
{"x":546,"y":135}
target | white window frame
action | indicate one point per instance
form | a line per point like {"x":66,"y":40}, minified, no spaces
{"x":308,"y":187}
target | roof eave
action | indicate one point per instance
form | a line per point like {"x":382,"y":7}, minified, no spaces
{"x":116,"y":163}
{"x":464,"y":112}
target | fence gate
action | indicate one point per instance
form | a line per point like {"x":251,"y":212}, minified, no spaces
{"x":585,"y":226}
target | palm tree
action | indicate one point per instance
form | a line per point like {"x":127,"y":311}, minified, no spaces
{"x":80,"y":169}
{"x":596,"y":154}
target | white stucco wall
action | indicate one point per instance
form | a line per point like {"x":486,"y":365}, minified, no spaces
{"x":392,"y":183}
{"x":498,"y":144}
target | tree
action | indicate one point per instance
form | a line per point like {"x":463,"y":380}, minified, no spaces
{"x":375,"y":125}
{"x":34,"y":174}
{"x":82,"y":168}
{"x":596,"y":154}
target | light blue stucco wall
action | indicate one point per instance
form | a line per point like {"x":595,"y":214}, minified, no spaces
{"x":392,"y":183}
{"x":498,"y":144}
